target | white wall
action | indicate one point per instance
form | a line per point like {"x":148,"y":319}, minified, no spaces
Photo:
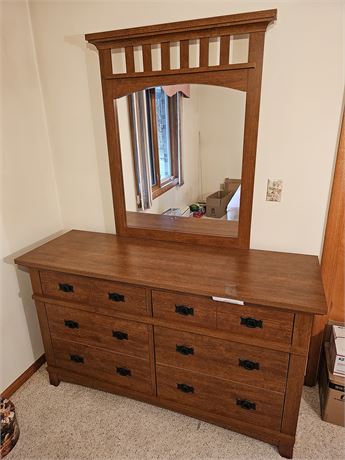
{"x":301,"y":97}
{"x":29,"y":202}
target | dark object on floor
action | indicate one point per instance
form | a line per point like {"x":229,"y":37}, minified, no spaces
{"x":9,"y":427}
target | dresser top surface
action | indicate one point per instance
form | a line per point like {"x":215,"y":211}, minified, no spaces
{"x":284,"y":280}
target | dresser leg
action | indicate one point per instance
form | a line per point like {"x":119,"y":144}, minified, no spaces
{"x":285,"y":448}
{"x":54,"y":379}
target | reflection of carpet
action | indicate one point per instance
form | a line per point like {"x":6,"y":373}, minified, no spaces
{"x":73,"y":422}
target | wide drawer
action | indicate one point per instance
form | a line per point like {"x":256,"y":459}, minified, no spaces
{"x":122,"y":370}
{"x":106,"y":297}
{"x":117,"y":335}
{"x":186,"y":309}
{"x":256,"y":322}
{"x":216,"y":396}
{"x":220,"y":358}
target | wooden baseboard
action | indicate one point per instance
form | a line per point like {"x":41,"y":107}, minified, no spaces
{"x":24,"y":377}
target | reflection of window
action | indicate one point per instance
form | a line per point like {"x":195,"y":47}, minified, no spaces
{"x":156,"y":133}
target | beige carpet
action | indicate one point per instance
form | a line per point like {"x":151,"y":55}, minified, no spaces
{"x":72,"y":422}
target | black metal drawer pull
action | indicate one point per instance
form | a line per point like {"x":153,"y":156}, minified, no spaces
{"x":184,"y":350}
{"x":77,"y":359}
{"x":248,"y":365}
{"x":64,"y":287}
{"x":115,"y":297}
{"x":185,"y":388}
{"x":246,"y":404}
{"x":71,"y":324}
{"x":251,"y":322}
{"x":119,"y":335}
{"x":123,"y":371}
{"x":184,"y":310}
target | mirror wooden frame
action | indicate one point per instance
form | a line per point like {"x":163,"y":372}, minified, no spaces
{"x":245,"y":77}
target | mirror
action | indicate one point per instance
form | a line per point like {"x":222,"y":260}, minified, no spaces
{"x":181,"y":154}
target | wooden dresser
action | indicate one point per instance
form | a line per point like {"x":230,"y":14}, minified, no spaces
{"x":137,"y":318}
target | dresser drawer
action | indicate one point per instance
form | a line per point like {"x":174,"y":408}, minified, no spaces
{"x":220,"y":358}
{"x":122,"y":370}
{"x":108,"y":297}
{"x":215,"y":396}
{"x":257,"y":322}
{"x":117,"y":335}
{"x":187,"y":309}
{"x":64,"y":286}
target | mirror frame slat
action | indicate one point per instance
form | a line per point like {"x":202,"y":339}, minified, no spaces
{"x":244,"y":77}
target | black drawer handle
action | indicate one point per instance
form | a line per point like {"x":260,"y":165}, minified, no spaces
{"x":77,"y":359}
{"x":115,"y":297}
{"x":248,"y":405}
{"x":64,"y":287}
{"x":123,"y":371}
{"x":185,"y":388}
{"x":248,"y":365}
{"x":119,"y":335}
{"x":71,"y":324}
{"x":251,"y":322}
{"x":184,"y":350}
{"x":184,"y":310}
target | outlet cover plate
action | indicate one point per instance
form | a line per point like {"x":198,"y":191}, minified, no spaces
{"x":274,"y":190}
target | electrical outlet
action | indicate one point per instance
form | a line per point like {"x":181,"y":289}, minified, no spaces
{"x":274,"y":190}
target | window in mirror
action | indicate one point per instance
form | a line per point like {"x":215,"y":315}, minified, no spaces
{"x":156,"y":137}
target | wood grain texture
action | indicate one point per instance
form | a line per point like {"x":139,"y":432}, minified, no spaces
{"x":97,"y":330}
{"x":184,"y":54}
{"x":248,"y":275}
{"x":220,"y":396}
{"x":221,"y":358}
{"x":224,"y":50}
{"x":102,"y":365}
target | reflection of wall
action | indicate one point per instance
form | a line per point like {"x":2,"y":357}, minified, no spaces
{"x":221,"y":135}
{"x":178,"y":197}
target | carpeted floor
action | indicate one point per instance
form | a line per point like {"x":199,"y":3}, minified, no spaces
{"x":73,"y":422}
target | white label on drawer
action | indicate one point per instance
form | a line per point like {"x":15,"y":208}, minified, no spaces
{"x":225,"y":299}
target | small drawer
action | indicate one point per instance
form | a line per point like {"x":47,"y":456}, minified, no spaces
{"x":122,"y":336}
{"x":108,"y":297}
{"x":122,"y":370}
{"x":220,"y":358}
{"x":257,"y":322}
{"x":215,"y":396}
{"x":65,"y":286}
{"x":187,"y":309}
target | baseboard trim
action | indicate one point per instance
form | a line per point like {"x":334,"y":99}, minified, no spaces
{"x":8,"y":392}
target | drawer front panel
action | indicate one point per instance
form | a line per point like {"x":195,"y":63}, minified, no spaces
{"x":65,"y":286}
{"x":187,"y":309}
{"x":217,"y":396}
{"x":220,"y":358}
{"x":108,"y":297}
{"x":117,"y":335}
{"x":122,"y":370}
{"x":257,"y":322}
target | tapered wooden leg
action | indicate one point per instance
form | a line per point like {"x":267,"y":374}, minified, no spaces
{"x":285,"y":448}
{"x":53,"y":379}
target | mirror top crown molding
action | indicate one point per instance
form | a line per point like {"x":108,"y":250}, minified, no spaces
{"x":243,"y":76}
{"x":240,"y":23}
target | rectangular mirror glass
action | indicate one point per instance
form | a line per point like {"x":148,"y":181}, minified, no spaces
{"x":181,"y":152}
